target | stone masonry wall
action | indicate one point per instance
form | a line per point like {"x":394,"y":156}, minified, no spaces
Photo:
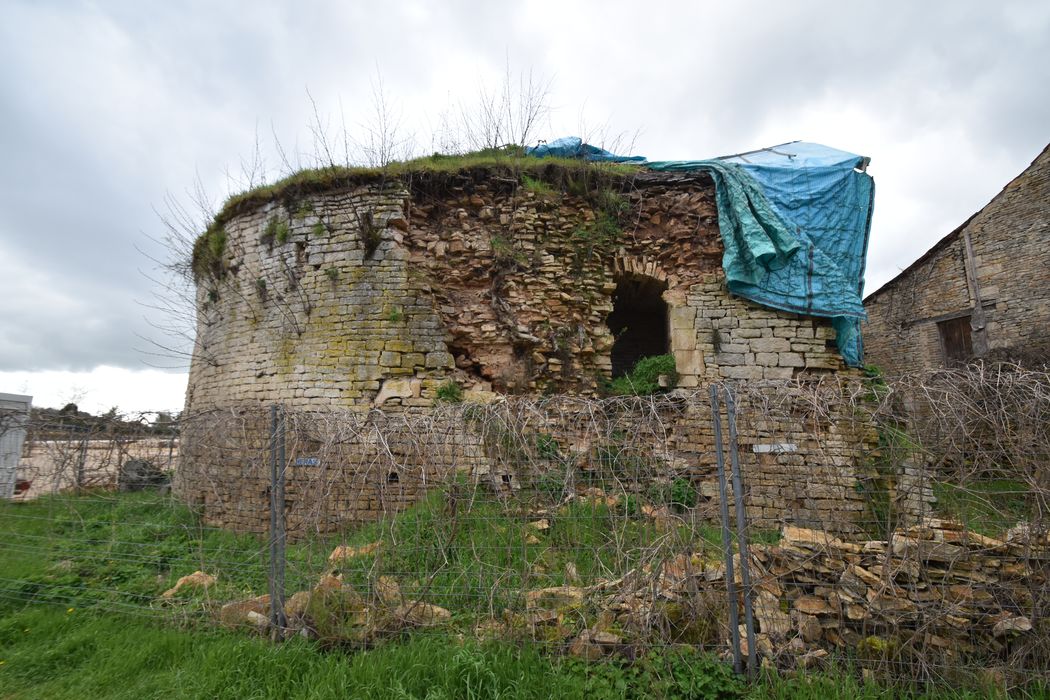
{"x":378,"y":294}
{"x":1011,"y":248}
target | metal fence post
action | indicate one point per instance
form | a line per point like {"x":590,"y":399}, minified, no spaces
{"x":741,"y":536}
{"x":277,"y":531}
{"x":727,"y":544}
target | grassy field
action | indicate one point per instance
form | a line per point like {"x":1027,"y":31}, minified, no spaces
{"x":81,"y":616}
{"x":50,"y":652}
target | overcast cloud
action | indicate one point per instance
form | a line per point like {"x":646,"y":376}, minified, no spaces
{"x":107,"y":107}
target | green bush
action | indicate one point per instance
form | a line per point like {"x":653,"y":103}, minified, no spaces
{"x":547,"y":446}
{"x":208,"y":251}
{"x":450,"y":392}
{"x":679,"y":495}
{"x":643,"y":380}
{"x":536,"y":186}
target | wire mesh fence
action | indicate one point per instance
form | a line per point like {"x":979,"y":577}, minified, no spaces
{"x":896,"y":527}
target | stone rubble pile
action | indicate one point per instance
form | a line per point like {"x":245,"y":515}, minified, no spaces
{"x":931,"y":589}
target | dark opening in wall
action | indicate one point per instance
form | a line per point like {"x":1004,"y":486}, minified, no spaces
{"x":393,"y":478}
{"x":638,"y":322}
{"x":956,"y":341}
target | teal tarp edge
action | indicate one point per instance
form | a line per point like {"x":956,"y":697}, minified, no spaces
{"x":774,"y":263}
{"x":795,"y":221}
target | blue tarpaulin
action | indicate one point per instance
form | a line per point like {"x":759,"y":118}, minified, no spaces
{"x":574,"y":147}
{"x":794,"y":221}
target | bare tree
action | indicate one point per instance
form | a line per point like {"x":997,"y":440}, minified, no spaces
{"x":383,"y":141}
{"x":509,"y":113}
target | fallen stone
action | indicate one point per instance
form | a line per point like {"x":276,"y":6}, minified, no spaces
{"x":812,"y":605}
{"x":236,"y":614}
{"x":771,"y":620}
{"x":295,"y":607}
{"x":1010,"y":625}
{"x":388,"y":590}
{"x":811,"y":659}
{"x":259,"y":622}
{"x":422,"y":614}
{"x":555,"y":598}
{"x":198,"y":579}
{"x":329,"y":582}
{"x":593,"y":644}
{"x":809,"y":627}
{"x":344,"y":552}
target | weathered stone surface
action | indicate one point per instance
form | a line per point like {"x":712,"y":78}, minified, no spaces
{"x":1012,"y":625}
{"x":344,"y":552}
{"x":198,"y":579}
{"x":398,"y":388}
{"x":237,"y":614}
{"x":495,"y":297}
{"x":1011,"y":263}
{"x":555,"y":598}
{"x":422,"y":614}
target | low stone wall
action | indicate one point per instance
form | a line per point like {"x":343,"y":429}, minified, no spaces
{"x":803,"y":450}
{"x":53,"y":466}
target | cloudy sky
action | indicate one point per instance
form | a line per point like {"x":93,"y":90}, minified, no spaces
{"x":109,"y":110}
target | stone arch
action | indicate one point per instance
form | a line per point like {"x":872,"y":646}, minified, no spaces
{"x":639,"y":321}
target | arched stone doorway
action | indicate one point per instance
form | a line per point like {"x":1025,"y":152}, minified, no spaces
{"x":638,"y":321}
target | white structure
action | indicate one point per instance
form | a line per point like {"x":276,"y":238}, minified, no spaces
{"x":14,"y":413}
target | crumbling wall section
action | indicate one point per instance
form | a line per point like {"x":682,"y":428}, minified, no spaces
{"x":386,"y":292}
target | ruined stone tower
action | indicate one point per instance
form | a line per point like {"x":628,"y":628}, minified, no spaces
{"x":352,"y":291}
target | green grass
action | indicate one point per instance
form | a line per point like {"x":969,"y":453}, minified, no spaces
{"x":49,"y":653}
{"x":643,"y":379}
{"x":988,"y":507}
{"x":510,"y":160}
{"x":537,"y":187}
{"x":543,"y":176}
{"x":450,"y":392}
{"x":80,"y":614}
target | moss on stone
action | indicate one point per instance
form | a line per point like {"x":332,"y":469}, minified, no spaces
{"x":208,"y":254}
{"x":434,"y":171}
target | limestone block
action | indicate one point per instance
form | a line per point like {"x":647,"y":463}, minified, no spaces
{"x":366,"y":372}
{"x":742,"y":372}
{"x":689,"y":362}
{"x":476,"y":396}
{"x":439,"y":360}
{"x":791,"y":359}
{"x":412,"y":359}
{"x":766,"y":359}
{"x":683,"y":339}
{"x":823,"y":362}
{"x":729,"y":359}
{"x":682,"y":317}
{"x":390,"y":359}
{"x":770,"y":345}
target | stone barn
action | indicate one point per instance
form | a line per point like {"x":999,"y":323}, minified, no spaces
{"x":983,"y":291}
{"x":354,"y":290}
